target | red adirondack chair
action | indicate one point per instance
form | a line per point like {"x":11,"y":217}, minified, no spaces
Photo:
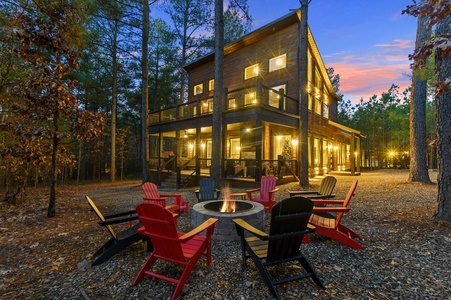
{"x":172,"y":246}
{"x":152,"y":195}
{"x":267,"y":189}
{"x":330,"y":224}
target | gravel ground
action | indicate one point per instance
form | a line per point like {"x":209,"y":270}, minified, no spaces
{"x":407,"y":254}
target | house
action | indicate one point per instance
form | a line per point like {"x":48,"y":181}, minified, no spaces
{"x":260,"y":116}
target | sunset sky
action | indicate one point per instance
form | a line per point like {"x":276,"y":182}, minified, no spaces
{"x":366,"y":42}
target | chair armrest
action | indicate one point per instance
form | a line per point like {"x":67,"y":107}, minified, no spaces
{"x":330,"y":209}
{"x":293,"y":193}
{"x":209,"y":224}
{"x":248,"y":227}
{"x":218,"y":193}
{"x":197,"y":194}
{"x":321,"y":197}
{"x":171,"y":195}
{"x":249,"y":193}
{"x":118,"y":220}
{"x":124,"y":213}
{"x":274,"y":190}
{"x":328,"y":201}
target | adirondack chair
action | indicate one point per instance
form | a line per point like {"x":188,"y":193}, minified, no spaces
{"x":118,"y":241}
{"x":329,"y":224}
{"x":324,"y":191}
{"x":267,"y":189}
{"x":171,"y":245}
{"x":289,"y":223}
{"x":207,"y":190}
{"x":152,"y":195}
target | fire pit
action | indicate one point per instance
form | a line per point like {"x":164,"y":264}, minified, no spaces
{"x":251,"y":212}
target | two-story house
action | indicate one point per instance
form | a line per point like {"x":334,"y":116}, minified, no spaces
{"x":260,"y":116}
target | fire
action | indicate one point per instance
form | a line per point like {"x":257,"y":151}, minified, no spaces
{"x":228,"y":205}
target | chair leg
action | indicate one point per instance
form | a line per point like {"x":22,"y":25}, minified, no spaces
{"x":149,"y":263}
{"x":265,"y":275}
{"x":116,"y":248}
{"x":309,"y":268}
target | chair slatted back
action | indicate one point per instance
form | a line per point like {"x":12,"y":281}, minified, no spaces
{"x":100,"y":216}
{"x":207,"y":189}
{"x":160,"y":225}
{"x":267,"y":184}
{"x":150,"y":190}
{"x":327,"y":185}
{"x":289,"y":219}
{"x":348,"y":198}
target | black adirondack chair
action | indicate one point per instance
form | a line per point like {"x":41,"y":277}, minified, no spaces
{"x":207,"y":190}
{"x":120,"y":240}
{"x":324,"y":191}
{"x":289,"y":223}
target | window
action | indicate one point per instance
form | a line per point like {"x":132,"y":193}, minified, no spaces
{"x":318,"y":107}
{"x":232,"y":103}
{"x":278,"y":63}
{"x":325,"y":110}
{"x":250,"y":99}
{"x":251,"y":71}
{"x":310,"y":102}
{"x":198,"y":89}
{"x":211,"y":85}
{"x":273,"y":97}
{"x":210,"y":105}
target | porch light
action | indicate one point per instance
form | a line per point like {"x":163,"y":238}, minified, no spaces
{"x":279,"y":137}
{"x":256,"y":70}
{"x":205,"y":104}
{"x":191,"y":146}
{"x":202,"y":145}
{"x":248,"y":130}
{"x":294,"y":142}
{"x":329,"y":147}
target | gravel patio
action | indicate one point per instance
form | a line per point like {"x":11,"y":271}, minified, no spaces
{"x":407,"y":254}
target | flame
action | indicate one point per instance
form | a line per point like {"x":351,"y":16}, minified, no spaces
{"x":228,"y":205}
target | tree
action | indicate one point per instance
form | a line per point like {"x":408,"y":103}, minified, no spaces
{"x":439,"y":13}
{"x":303,"y":96}
{"x":216,"y":153}
{"x":49,"y":40}
{"x":418,"y":160}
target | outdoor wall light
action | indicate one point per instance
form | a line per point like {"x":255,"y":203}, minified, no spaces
{"x":202,"y":145}
{"x":191,"y":146}
{"x":294,"y":142}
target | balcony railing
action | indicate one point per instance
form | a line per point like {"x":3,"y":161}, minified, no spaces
{"x":246,"y":97}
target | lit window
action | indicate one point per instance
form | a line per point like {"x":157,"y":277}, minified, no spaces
{"x":198,"y":89}
{"x":251,"y":71}
{"x":210,"y":105}
{"x":317,"y":106}
{"x":278,"y":62}
{"x":325,"y":111}
{"x":211,"y":85}
{"x":250,"y":99}
{"x":310,"y":102}
{"x":273,"y":97}
{"x":232,"y":103}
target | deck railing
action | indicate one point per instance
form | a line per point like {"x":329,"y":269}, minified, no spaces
{"x":258,"y":95}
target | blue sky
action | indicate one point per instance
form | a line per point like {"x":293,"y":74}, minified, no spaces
{"x":367,"y":42}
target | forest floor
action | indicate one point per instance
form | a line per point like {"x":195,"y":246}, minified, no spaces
{"x":407,"y":255}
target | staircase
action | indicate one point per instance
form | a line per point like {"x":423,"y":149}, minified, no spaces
{"x":171,"y":180}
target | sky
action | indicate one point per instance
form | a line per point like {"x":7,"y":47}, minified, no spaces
{"x":367,"y":42}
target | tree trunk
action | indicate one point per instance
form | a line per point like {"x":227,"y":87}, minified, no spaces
{"x":303,"y":96}
{"x":145,"y":92}
{"x":418,"y":146}
{"x":52,"y":201}
{"x":216,"y":152}
{"x":443,"y":72}
{"x":114,"y":106}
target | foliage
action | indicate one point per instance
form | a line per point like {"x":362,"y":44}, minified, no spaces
{"x":47,"y":41}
